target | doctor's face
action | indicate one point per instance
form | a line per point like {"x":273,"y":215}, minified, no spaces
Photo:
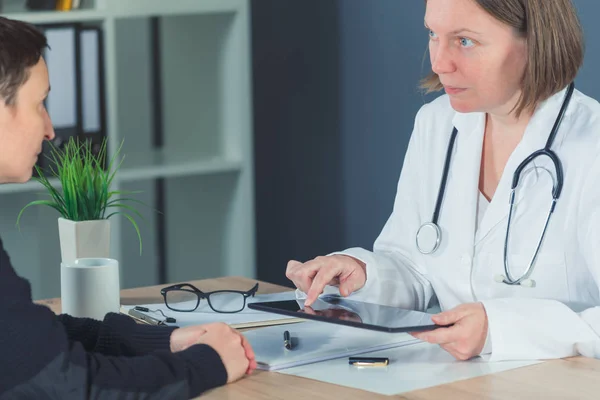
{"x":479,"y":60}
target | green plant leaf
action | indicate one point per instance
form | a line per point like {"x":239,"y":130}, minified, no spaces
{"x":85,"y":185}
{"x":36,"y":203}
{"x":135,"y":225}
{"x":126,"y":207}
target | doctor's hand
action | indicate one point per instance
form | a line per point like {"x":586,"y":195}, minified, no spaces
{"x":338,"y":270}
{"x":466,"y":338}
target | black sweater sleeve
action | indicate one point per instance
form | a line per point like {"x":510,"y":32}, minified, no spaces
{"x":40,"y":361}
{"x":117,"y":335}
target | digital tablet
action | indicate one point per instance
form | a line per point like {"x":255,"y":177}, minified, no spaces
{"x":338,"y":310}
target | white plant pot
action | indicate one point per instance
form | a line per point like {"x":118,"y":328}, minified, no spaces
{"x":84,"y":239}
{"x":90,"y":287}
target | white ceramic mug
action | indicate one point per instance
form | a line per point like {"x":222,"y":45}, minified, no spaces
{"x":90,"y":287}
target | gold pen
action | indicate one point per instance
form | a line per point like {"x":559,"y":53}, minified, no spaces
{"x":369,"y":361}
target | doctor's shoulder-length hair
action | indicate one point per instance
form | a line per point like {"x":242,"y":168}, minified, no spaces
{"x":555,"y":46}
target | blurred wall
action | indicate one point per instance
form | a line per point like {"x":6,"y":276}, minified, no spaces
{"x":298,"y":166}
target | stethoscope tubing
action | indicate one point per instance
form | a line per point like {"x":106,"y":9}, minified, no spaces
{"x":433,"y":226}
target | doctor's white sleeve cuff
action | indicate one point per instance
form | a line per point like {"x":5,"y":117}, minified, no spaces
{"x":366,"y":257}
{"x":391,"y":280}
{"x":537,"y":329}
{"x":487,"y":347}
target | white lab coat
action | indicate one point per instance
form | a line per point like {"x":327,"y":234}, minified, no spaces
{"x":560,"y":316}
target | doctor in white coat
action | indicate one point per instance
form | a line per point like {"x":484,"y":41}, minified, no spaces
{"x":506,"y":67}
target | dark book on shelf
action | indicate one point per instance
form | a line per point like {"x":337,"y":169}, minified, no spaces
{"x":76,"y":103}
{"x":39,"y":5}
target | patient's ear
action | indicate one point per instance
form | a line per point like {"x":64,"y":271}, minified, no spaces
{"x":7,"y":113}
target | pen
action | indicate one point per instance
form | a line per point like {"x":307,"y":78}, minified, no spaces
{"x":369,"y":361}
{"x":146,"y":309}
{"x":287,"y":341}
{"x":145,"y":318}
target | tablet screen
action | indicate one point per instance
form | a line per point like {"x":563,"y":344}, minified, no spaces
{"x":335,"y":309}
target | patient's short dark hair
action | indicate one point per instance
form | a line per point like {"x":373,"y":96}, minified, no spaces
{"x":21,"y":47}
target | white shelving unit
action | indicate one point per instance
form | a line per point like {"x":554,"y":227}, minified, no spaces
{"x":205,"y":162}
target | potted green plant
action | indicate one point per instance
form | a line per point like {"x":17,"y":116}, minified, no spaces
{"x":85,"y":199}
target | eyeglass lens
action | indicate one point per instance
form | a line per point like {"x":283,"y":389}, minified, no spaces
{"x":181,"y":300}
{"x":227,"y":301}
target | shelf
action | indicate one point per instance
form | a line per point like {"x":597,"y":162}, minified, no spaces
{"x":148,"y":165}
{"x":163,"y":164}
{"x":128,"y":9}
{"x":57,"y":17}
{"x":204,"y":163}
{"x":31,"y":186}
{"x":146,"y":8}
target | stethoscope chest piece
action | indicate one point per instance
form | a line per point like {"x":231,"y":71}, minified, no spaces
{"x":428,"y":238}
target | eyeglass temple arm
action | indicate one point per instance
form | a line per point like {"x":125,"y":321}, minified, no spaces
{"x":252,"y":291}
{"x":182,"y":286}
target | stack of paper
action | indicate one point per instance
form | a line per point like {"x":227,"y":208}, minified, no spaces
{"x":315,"y":341}
{"x":419,"y":366}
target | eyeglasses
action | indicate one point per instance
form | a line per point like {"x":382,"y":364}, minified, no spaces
{"x":185,"y":297}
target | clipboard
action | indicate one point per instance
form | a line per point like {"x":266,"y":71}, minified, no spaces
{"x":146,"y":319}
{"x":273,"y":322}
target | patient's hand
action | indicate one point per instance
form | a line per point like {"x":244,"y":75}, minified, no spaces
{"x":233,"y":347}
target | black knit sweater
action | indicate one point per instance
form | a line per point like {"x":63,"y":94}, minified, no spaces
{"x":44,"y":356}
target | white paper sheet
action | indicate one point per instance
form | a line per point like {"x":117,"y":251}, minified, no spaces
{"x":204,"y":314}
{"x":413,"y":367}
{"x":317,"y":341}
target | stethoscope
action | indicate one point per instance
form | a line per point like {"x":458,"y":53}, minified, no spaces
{"x":429,"y":235}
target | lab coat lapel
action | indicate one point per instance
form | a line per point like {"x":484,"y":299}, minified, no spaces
{"x":498,"y":209}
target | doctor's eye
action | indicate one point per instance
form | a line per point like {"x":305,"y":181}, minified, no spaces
{"x":432,"y":34}
{"x":466,"y":42}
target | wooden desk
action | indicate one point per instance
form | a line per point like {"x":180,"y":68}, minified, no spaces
{"x":573,"y":378}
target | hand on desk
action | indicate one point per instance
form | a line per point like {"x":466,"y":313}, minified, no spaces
{"x":233,"y":347}
{"x":338,"y":270}
{"x":466,"y":338}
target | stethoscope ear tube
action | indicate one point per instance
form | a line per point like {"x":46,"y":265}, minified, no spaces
{"x":557,"y":189}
